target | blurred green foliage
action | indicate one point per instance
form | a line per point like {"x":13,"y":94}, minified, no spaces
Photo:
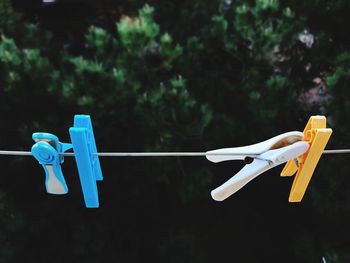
{"x":8,"y":17}
{"x":173,"y":76}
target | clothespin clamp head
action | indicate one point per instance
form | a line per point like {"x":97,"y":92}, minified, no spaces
{"x":317,"y":135}
{"x":47,"y":150}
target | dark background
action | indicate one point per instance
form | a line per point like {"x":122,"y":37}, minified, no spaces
{"x":173,"y":76}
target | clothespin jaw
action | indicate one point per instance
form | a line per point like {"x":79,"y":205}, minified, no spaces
{"x":47,"y":150}
{"x":317,"y":135}
{"x":87,"y":160}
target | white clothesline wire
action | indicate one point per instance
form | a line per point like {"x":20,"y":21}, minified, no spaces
{"x":159,"y":154}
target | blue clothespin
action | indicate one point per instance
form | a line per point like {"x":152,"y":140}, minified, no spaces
{"x":47,"y":150}
{"x":85,"y":153}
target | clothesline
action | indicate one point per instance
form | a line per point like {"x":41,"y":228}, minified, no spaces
{"x":160,"y":154}
{"x":287,"y":148}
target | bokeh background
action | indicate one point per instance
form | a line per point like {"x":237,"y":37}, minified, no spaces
{"x":186,"y":75}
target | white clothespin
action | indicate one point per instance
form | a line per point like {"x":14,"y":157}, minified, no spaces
{"x":264,"y":156}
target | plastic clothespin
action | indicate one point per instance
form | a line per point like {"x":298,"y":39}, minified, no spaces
{"x":316,"y":135}
{"x":47,"y":150}
{"x":87,"y":160}
{"x":264,"y":155}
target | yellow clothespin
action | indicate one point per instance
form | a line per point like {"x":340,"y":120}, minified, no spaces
{"x":317,"y":135}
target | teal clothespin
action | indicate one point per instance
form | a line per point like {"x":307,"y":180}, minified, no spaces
{"x":48,"y":151}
